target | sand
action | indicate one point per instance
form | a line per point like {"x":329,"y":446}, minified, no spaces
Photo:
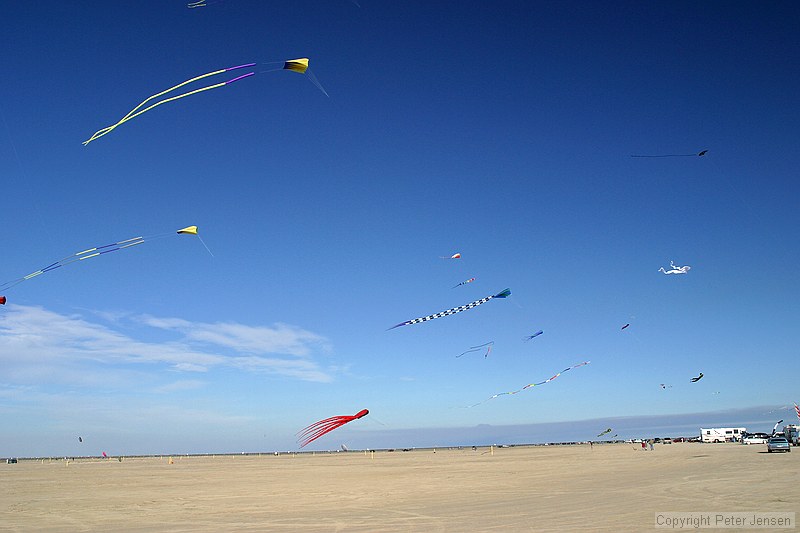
{"x":615,"y":487}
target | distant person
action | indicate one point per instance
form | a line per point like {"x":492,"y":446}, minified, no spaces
{"x":591,"y":445}
{"x":651,"y":445}
{"x":644,"y":445}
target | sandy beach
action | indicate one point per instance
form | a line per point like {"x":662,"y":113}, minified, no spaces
{"x":613,"y":487}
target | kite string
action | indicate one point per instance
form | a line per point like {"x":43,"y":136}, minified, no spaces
{"x":23,"y":175}
{"x":667,"y":155}
{"x":204,"y":244}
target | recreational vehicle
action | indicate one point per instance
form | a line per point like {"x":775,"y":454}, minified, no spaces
{"x":792,"y":434}
{"x":721,"y":434}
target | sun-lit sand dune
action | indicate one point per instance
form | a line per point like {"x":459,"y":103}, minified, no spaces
{"x":615,"y":487}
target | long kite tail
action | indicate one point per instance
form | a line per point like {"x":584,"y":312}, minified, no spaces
{"x":478,"y":349}
{"x":492,"y":397}
{"x":320,"y":428}
{"x":95,"y":252}
{"x":136,"y":111}
{"x":503,"y":294}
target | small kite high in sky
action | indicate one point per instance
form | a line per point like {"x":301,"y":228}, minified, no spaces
{"x":698,"y":378}
{"x":454,"y":310}
{"x":95,"y":252}
{"x":665,"y":386}
{"x":203,"y":3}
{"x":454,"y":256}
{"x":529,"y":337}
{"x":477,"y":348}
{"x":608,"y":430}
{"x":470,"y":280}
{"x":548,"y":380}
{"x":295,"y":65}
{"x":625,"y":326}
{"x":675,"y":269}
{"x":318,"y":429}
{"x":2,"y":300}
{"x":700,"y":154}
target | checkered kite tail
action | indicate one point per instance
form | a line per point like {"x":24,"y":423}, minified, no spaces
{"x":454,"y":310}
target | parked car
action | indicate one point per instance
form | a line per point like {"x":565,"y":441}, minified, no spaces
{"x":756,"y":438}
{"x":778,"y":444}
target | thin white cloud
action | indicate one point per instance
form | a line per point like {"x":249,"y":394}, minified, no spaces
{"x":181,"y":385}
{"x":279,"y":338}
{"x":36,"y":341}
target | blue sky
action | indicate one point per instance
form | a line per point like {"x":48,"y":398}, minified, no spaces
{"x":500,"y":130}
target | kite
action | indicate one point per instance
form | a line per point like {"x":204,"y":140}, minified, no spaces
{"x":80,"y":439}
{"x":700,"y":154}
{"x":294,"y":65}
{"x":2,"y":300}
{"x":609,"y":430}
{"x":548,"y":380}
{"x":698,"y":378}
{"x":478,"y":349}
{"x":625,"y":326}
{"x":454,"y":256}
{"x":665,"y":386}
{"x":203,"y":3}
{"x":454,"y":310}
{"x":470,"y":280}
{"x":318,"y":429}
{"x":675,"y":269}
{"x":95,"y":252}
{"x":529,"y":337}
{"x":104,"y":455}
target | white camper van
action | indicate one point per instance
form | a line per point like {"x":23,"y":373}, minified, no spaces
{"x":721,"y":434}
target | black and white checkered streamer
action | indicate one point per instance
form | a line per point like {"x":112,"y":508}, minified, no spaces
{"x":454,"y":310}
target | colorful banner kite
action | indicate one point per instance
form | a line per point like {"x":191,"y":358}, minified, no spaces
{"x":95,"y":252}
{"x":529,"y":385}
